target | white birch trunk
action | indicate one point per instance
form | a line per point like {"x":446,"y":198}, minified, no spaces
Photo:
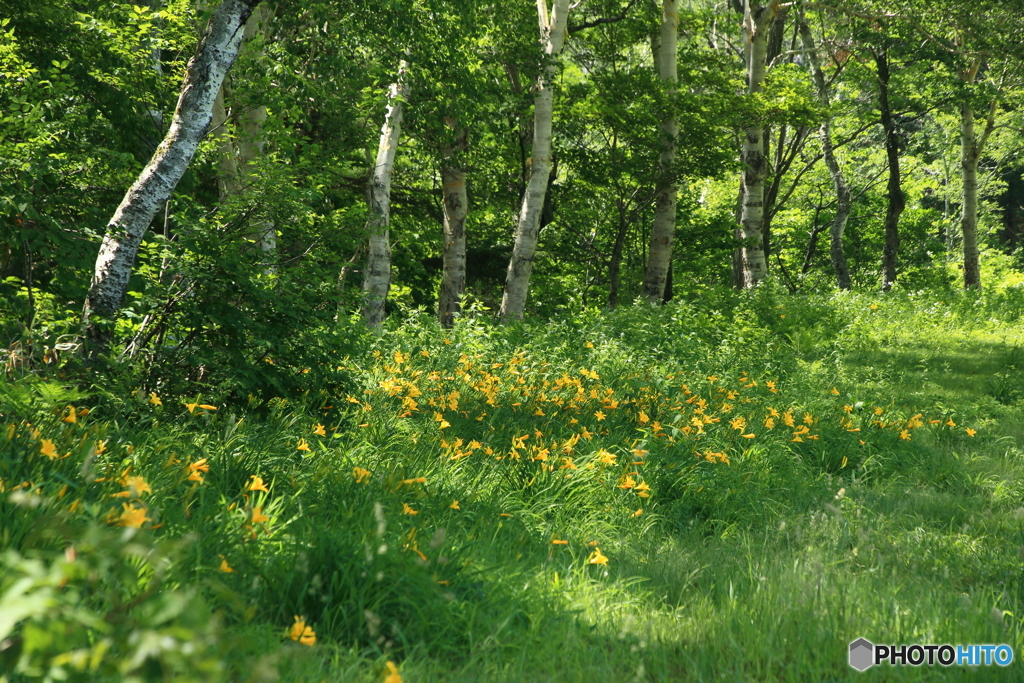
{"x":204,"y":75}
{"x":456,"y":208}
{"x":971,"y":147}
{"x":749,"y":258}
{"x":517,"y":280}
{"x":842,"y":190}
{"x":663,"y":228}
{"x":377,"y":270}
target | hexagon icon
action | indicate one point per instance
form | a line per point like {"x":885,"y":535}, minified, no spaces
{"x":862,"y":654}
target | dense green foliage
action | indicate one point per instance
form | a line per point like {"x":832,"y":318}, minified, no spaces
{"x":254,"y":486}
{"x":893,"y":516}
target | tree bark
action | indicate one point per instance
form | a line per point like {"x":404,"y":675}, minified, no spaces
{"x":239,"y":154}
{"x":842,"y":190}
{"x":971,"y":147}
{"x":216,"y":52}
{"x":749,"y":260}
{"x":663,"y":229}
{"x":517,"y":280}
{"x":456,"y":208}
{"x":896,"y":199}
{"x":377,"y":269}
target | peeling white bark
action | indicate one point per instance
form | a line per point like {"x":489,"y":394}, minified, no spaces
{"x":456,"y":208}
{"x":663,"y":229}
{"x":217,"y":50}
{"x":377,"y":270}
{"x":750,"y":259}
{"x":517,"y":280}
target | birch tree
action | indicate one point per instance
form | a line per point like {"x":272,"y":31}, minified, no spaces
{"x":377,"y":268}
{"x":456,"y":208}
{"x":239,"y":153}
{"x":971,"y":147}
{"x":216,"y":52}
{"x":663,"y":228}
{"x":842,"y":190}
{"x":517,"y":279}
{"x":750,"y":263}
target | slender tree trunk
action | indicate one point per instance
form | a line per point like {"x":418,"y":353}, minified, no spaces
{"x":377,"y":269}
{"x":204,"y":75}
{"x":971,"y":147}
{"x":517,"y":280}
{"x":615,"y":263}
{"x":749,"y":259}
{"x":239,"y":154}
{"x":456,"y":207}
{"x":969,"y":210}
{"x":896,"y":199}
{"x":663,"y":229}
{"x":842,"y":190}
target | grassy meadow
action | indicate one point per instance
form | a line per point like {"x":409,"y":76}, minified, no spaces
{"x":727,"y":488}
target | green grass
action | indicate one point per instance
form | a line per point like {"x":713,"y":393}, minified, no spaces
{"x":762,"y":568}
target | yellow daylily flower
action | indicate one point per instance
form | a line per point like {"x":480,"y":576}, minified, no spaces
{"x":319,"y":430}
{"x":257,"y":484}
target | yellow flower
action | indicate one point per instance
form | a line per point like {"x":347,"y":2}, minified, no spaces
{"x":808,"y":419}
{"x":769,"y":423}
{"x":301,"y":632}
{"x":848,"y":409}
{"x":771,"y":387}
{"x":302,"y":445}
{"x":154,"y":399}
{"x":738,"y":422}
{"x":137,"y":486}
{"x":643,"y":490}
{"x":207,"y":406}
{"x":407,"y":510}
{"x":878,"y":411}
{"x":599,"y":415}
{"x":393,"y":676}
{"x":589,"y":345}
{"x":71,"y":417}
{"x":101,"y":447}
{"x":627,"y":483}
{"x":950,"y":423}
{"x":224,"y":566}
{"x":258,"y":516}
{"x":199,"y":466}
{"x":47,"y":448}
{"x":133,"y":517}
{"x":455,"y":505}
{"x":606,"y":457}
{"x":361,"y":475}
{"x":970,"y":432}
{"x":319,"y":430}
{"x":905,"y":435}
{"x":834,"y":392}
{"x":416,"y":480}
{"x":191,"y":407}
{"x":644,"y":419}
{"x":597,"y":557}
{"x":639,"y":512}
{"x":712,"y":379}
{"x":257,"y":484}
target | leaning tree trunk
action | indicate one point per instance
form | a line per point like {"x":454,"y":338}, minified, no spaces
{"x":377,"y":269}
{"x":517,"y":280}
{"x":456,"y":208}
{"x":663,"y":228}
{"x":896,"y":199}
{"x":204,"y":75}
{"x":838,"y":181}
{"x":971,"y":147}
{"x":749,"y":259}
